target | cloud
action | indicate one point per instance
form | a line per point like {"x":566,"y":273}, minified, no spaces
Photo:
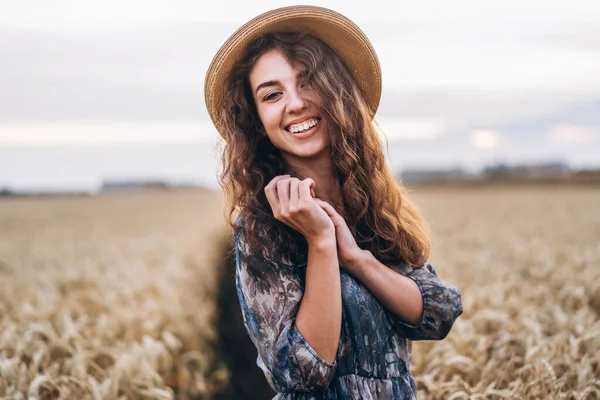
{"x":78,"y":13}
{"x":410,"y":129}
{"x":485,"y":139}
{"x":126,"y":74}
{"x":440,"y":74}
{"x":465,"y":62}
{"x":465,"y":74}
{"x":568,"y":133}
{"x":102,"y":133}
{"x":79,"y":167}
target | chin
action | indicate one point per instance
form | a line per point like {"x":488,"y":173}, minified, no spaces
{"x":313,"y":148}
{"x":312,"y":152}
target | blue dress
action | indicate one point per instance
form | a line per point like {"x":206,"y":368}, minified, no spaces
{"x":373,"y":357}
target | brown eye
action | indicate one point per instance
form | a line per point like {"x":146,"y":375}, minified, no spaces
{"x":271,"y":96}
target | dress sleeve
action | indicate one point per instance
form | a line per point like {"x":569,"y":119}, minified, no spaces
{"x":270,"y":295}
{"x":442,"y":305}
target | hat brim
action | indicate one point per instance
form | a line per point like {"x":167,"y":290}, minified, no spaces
{"x":337,"y":31}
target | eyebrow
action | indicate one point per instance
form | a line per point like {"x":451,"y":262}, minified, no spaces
{"x":300,"y":75}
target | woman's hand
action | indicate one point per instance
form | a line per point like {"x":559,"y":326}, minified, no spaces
{"x":348,"y":251}
{"x":293,"y":204}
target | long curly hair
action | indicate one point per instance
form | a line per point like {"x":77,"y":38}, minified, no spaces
{"x":377,"y":208}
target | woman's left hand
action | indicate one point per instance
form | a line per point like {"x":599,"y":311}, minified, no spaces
{"x":348,"y":251}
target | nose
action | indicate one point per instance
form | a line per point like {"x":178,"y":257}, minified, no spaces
{"x":296,"y":102}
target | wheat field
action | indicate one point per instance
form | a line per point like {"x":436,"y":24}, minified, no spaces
{"x":113,"y":296}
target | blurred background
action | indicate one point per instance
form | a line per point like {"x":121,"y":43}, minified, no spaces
{"x":116,"y":277}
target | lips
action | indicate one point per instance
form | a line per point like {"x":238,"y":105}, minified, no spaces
{"x":298,"y":124}
{"x":305,"y":134}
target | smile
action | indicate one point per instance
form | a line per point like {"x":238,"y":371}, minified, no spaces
{"x":303,"y":126}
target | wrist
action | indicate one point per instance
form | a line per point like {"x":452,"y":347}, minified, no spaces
{"x":359,"y":259}
{"x":322,"y":241}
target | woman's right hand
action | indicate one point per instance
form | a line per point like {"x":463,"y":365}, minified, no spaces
{"x":292,"y":203}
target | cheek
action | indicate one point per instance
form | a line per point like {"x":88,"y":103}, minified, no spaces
{"x":270,"y":118}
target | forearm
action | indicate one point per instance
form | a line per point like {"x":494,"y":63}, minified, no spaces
{"x":399,"y":294}
{"x":319,"y":317}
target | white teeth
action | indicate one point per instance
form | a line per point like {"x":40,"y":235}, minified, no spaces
{"x":303,"y":127}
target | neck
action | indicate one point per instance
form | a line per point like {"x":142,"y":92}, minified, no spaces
{"x":327,"y":186}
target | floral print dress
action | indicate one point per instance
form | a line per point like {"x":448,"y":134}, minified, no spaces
{"x":373,"y":357}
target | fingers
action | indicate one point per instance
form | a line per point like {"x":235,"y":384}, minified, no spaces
{"x":294,"y":194}
{"x":306,"y":190}
{"x":272,"y":195}
{"x":286,"y":194}
{"x":327,"y":207}
{"x":283,"y":193}
{"x":336,"y":218}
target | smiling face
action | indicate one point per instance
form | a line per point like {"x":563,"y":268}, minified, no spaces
{"x":290,"y":111}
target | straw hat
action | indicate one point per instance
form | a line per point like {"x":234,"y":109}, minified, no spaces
{"x":337,"y":31}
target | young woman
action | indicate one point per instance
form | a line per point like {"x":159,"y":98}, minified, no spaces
{"x":331,"y":272}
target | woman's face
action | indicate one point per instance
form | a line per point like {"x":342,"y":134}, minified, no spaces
{"x":289,"y":110}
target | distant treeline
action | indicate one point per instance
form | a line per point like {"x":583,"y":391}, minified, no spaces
{"x":545,"y":173}
{"x":108,"y":187}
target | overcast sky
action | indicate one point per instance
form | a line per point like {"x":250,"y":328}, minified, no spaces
{"x":109,"y":89}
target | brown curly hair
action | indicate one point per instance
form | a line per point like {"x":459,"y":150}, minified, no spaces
{"x":377,"y":208}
